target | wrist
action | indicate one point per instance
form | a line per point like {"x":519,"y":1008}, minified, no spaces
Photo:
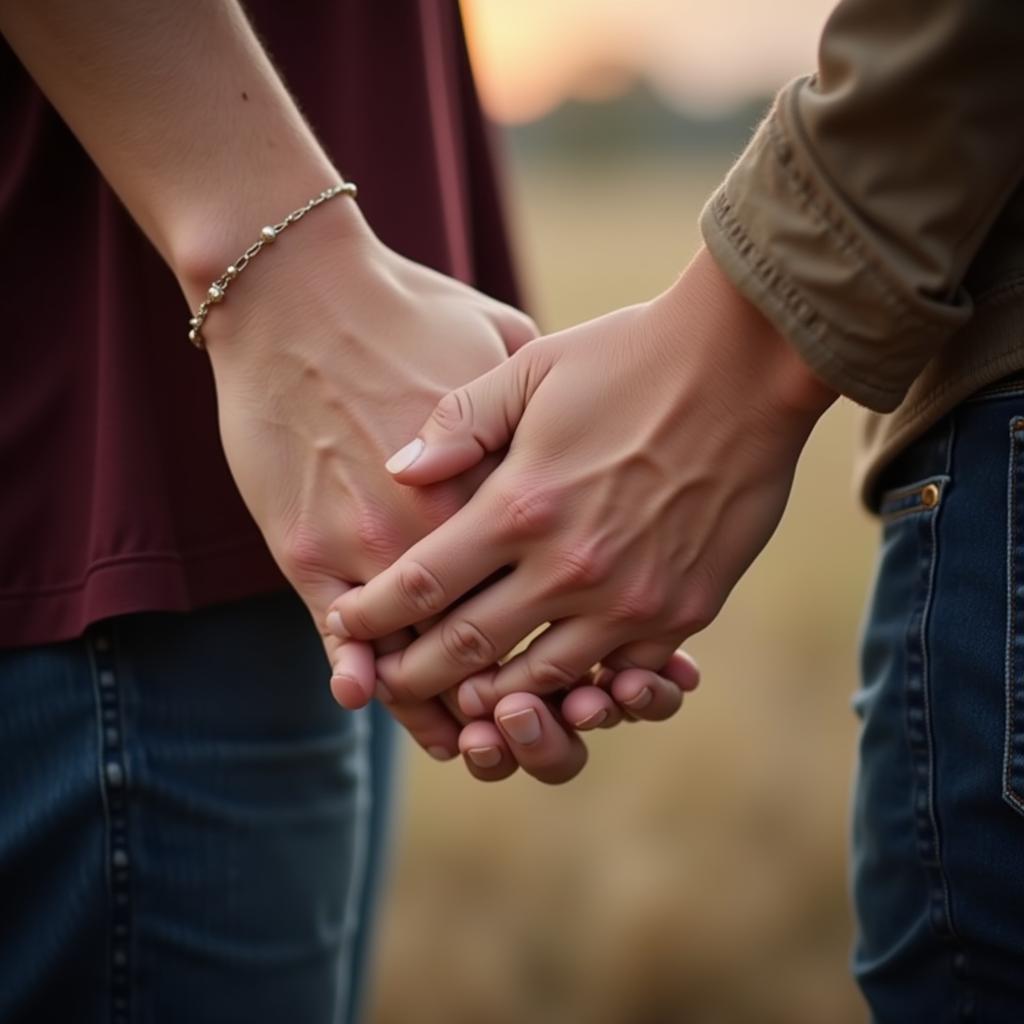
{"x":760,"y":358}
{"x":293,"y":268}
{"x":211,"y":236}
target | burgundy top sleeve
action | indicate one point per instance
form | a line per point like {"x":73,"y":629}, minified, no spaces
{"x":114,"y":493}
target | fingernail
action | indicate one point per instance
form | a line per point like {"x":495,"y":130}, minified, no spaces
{"x":641,"y":700}
{"x":440,"y":753}
{"x":336,"y":626}
{"x":383,"y":694}
{"x":522,"y":726}
{"x":484,"y":757}
{"x":345,"y":688}
{"x":405,"y":457}
{"x":594,"y":720}
{"x":470,"y":702}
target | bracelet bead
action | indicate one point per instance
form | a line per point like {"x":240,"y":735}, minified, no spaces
{"x":268,"y":235}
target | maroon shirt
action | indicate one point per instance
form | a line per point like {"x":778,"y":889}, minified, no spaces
{"x":114,"y":493}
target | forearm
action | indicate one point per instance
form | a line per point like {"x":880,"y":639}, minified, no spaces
{"x":183,"y":113}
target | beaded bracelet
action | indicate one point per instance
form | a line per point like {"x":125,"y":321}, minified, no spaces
{"x":268,"y":236}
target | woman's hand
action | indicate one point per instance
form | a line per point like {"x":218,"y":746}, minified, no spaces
{"x":328,"y":352}
{"x":650,"y":457}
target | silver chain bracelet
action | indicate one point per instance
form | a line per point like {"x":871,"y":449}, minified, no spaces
{"x":268,"y":236}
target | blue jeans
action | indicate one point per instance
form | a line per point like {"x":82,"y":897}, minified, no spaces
{"x":939,"y":808}
{"x":189,"y":826}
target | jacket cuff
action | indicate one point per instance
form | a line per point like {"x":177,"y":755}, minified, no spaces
{"x":793,"y":244}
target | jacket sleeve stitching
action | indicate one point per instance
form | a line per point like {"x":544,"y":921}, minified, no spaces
{"x":783,"y":288}
{"x":826,"y":215}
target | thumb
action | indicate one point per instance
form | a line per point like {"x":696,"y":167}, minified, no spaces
{"x":467,"y":424}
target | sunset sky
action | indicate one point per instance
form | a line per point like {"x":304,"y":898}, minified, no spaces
{"x":702,"y":55}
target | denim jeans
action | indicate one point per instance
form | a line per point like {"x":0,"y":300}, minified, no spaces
{"x":938,"y":824}
{"x":189,"y":826}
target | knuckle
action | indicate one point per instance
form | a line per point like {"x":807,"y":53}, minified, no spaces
{"x":356,"y":622}
{"x":643,"y":601}
{"x":420,"y":589}
{"x":467,"y":645}
{"x":581,"y":566}
{"x":546,"y":675}
{"x":376,"y":536}
{"x":695,"y":613}
{"x":303,"y":554}
{"x":527,"y":512}
{"x":450,"y":412}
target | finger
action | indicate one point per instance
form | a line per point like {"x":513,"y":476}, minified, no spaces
{"x":486,"y":753}
{"x":353,"y":673}
{"x":645,"y":695}
{"x":472,"y":637}
{"x":429,"y":723}
{"x":642,"y":694}
{"x":538,"y":741}
{"x":352,"y":662}
{"x":433,"y":574}
{"x":478,"y":696}
{"x":565,"y":651}
{"x":683,"y":670}
{"x":466,"y":424}
{"x":590,"y":707}
{"x":650,"y":678}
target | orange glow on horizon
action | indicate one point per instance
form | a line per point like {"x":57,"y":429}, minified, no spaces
{"x":529,"y":56}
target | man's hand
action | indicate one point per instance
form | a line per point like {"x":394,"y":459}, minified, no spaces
{"x":650,"y":456}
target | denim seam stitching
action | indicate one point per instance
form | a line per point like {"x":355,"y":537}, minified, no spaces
{"x":109,"y":709}
{"x":926,"y":694}
{"x":361,"y":856}
{"x":97,"y":700}
{"x":1010,"y":794}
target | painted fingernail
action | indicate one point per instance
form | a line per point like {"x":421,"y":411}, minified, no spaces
{"x":383,"y":694}
{"x":335,"y":625}
{"x":522,"y":726}
{"x":405,"y":457}
{"x":594,"y":720}
{"x":484,"y":757}
{"x":641,"y":700}
{"x":470,"y":703}
{"x":440,"y":753}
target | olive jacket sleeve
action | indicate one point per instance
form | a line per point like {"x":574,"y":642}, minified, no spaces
{"x":854,"y":214}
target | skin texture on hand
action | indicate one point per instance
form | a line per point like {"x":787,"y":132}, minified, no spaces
{"x":650,"y":457}
{"x":330,"y":351}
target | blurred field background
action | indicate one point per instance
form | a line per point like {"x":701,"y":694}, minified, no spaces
{"x":696,"y":873}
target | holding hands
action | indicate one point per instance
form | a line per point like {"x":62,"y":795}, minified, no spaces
{"x":340,"y":355}
{"x":648,"y":459}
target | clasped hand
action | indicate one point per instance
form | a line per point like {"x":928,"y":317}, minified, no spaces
{"x":327,"y":362}
{"x":648,"y":458}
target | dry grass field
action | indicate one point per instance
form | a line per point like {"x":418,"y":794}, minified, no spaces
{"x":696,"y":872}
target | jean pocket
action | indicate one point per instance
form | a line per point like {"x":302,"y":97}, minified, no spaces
{"x":922,"y":496}
{"x":1013,"y":750}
